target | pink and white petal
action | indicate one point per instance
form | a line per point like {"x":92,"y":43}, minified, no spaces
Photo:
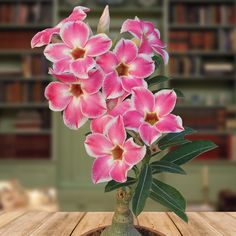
{"x":108,"y":62}
{"x":133,"y":27}
{"x":82,"y":66}
{"x":98,"y":125}
{"x":145,"y":47}
{"x":78,"y":13}
{"x":97,"y":145}
{"x":98,"y":45}
{"x":43,"y":37}
{"x":58,"y":95}
{"x":155,"y":40}
{"x":133,"y":153}
{"x":56,"y":52}
{"x":72,"y":115}
{"x":170,"y":124}
{"x":125,"y":51}
{"x":164,"y":54}
{"x":101,"y":169}
{"x":143,"y":66}
{"x":121,"y":108}
{"x":148,"y":133}
{"x":147,"y":27}
{"x":116,"y":131}
{"x":75,"y":34}
{"x":165,"y":101}
{"x":63,"y":77}
{"x":112,"y":87}
{"x":119,"y":171}
{"x":112,"y":103}
{"x":143,"y":100}
{"x":133,"y":120}
{"x":62,"y":66}
{"x":93,"y":105}
{"x":128,"y":83}
{"x":94,"y":82}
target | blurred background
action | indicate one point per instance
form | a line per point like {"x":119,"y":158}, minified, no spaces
{"x":44,"y":165}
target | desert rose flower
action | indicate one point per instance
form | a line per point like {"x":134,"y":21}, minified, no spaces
{"x":44,"y":37}
{"x":151,"y":116}
{"x":114,"y":154}
{"x":125,"y":69}
{"x":77,"y":49}
{"x":148,"y":36}
{"x":104,"y":21}
{"x":79,"y":99}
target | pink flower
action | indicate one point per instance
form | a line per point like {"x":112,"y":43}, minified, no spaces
{"x":114,"y":154}
{"x":77,"y":50}
{"x":147,"y":34}
{"x":79,"y":99}
{"x":151,"y":114}
{"x":124,"y":68}
{"x":44,"y":37}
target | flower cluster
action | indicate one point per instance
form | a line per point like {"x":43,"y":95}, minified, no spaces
{"x":107,"y":84}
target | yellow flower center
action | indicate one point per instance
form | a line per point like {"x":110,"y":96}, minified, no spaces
{"x":76,"y":90}
{"x":117,"y":152}
{"x":122,"y":69}
{"x":151,"y":118}
{"x":77,"y":53}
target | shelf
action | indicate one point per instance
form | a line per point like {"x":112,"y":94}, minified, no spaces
{"x":13,"y":52}
{"x":201,"y":78}
{"x":201,"y":1}
{"x":198,"y":26}
{"x":23,"y":105}
{"x":214,"y":132}
{"x":26,"y":1}
{"x":203,"y":53}
{"x":25,"y":26}
{"x":26,"y":132}
{"x":24,"y":79}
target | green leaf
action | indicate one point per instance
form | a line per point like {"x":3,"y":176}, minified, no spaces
{"x":178,"y":92}
{"x":174,"y":139}
{"x":165,"y":166}
{"x":86,"y":134}
{"x":142,"y":189}
{"x":112,"y":185}
{"x":169,"y":197}
{"x":157,"y":61}
{"x":188,"y":151}
{"x":157,"y":79}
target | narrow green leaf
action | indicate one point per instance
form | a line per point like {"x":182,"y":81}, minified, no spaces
{"x":112,"y":185}
{"x":174,"y":139}
{"x":188,"y":151}
{"x":165,"y":166}
{"x":157,"y":60}
{"x":141,"y":192}
{"x":177,"y":91}
{"x":169,"y":197}
{"x":86,"y":134}
{"x":157,"y":79}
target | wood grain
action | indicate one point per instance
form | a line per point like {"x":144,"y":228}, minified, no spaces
{"x":232,"y":214}
{"x":60,"y":223}
{"x":158,"y":221}
{"x":196,"y":225}
{"x":92,"y":220}
{"x":6,"y":217}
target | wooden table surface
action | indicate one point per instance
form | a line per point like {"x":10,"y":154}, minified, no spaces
{"x":22,"y":222}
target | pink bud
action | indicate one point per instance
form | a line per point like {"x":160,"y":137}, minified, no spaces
{"x":104,"y":22}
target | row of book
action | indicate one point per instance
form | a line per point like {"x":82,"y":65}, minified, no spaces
{"x":25,"y":146}
{"x":21,"y":13}
{"x":203,"y":14}
{"x":18,"y":92}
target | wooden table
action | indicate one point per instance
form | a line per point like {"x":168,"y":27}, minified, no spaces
{"x":22,"y":222}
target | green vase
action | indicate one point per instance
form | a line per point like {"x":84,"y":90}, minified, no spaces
{"x":123,"y":221}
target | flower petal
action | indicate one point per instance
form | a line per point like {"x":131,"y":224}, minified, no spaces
{"x":125,"y":51}
{"x":112,"y":87}
{"x":119,"y":171}
{"x":98,"y":125}
{"x":93,"y":105}
{"x":75,"y":34}
{"x":82,"y":66}
{"x":56,"y":52}
{"x":62,"y":66}
{"x":143,"y":100}
{"x":165,"y":101}
{"x":97,"y":145}
{"x":43,"y":37}
{"x":143,"y":66}
{"x":148,"y":133}
{"x":145,"y":47}
{"x":98,"y":45}
{"x":101,"y":169}
{"x":133,"y":120}
{"x":58,"y":95}
{"x":108,"y":62}
{"x":170,"y":123}
{"x":164,"y":54}
{"x":72,"y":116}
{"x":116,"y":131}
{"x":77,"y":14}
{"x":104,"y":21}
{"x":63,"y":77}
{"x":94,"y":82}
{"x":128,"y":83}
{"x":133,"y":27}
{"x":133,"y":153}
{"x":121,"y":108}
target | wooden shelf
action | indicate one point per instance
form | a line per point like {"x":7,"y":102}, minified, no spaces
{"x":25,"y":132}
{"x":13,"y":52}
{"x":199,"y":26}
{"x":200,"y":78}
{"x":23,"y":105}
{"x":203,"y":53}
{"x":26,"y":80}
{"x":25,"y":26}
{"x":201,"y":1}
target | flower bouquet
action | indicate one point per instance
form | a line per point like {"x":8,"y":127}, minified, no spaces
{"x":111,"y":83}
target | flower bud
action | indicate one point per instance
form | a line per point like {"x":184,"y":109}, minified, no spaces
{"x":104,"y":22}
